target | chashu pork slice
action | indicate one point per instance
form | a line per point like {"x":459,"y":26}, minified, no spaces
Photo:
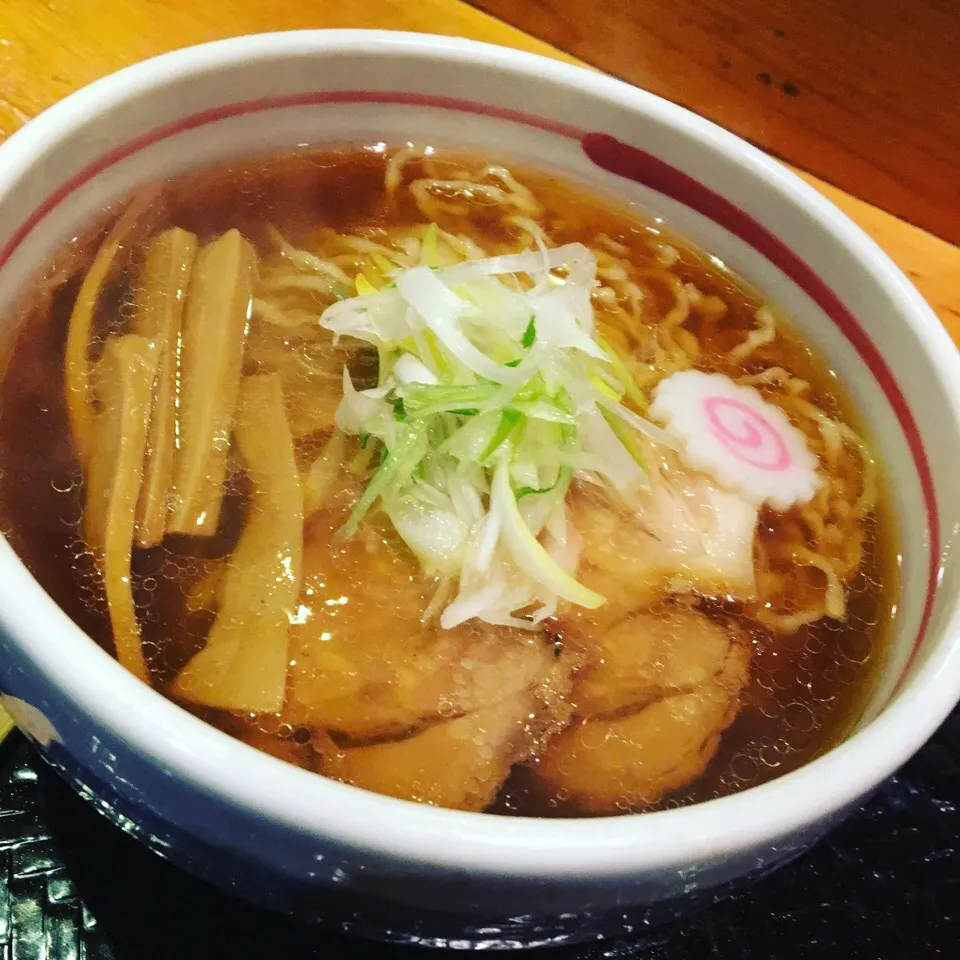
{"x":684,"y":533}
{"x":667,"y":649}
{"x":652,"y":703}
{"x":461,"y":763}
{"x":364,"y":666}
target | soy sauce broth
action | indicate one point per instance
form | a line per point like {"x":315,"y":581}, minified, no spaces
{"x":805,"y":691}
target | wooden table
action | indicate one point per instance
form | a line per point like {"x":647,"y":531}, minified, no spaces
{"x":50,"y":47}
{"x":864,"y":93}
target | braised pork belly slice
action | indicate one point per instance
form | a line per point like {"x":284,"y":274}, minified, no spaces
{"x":365,"y":666}
{"x":671,"y":648}
{"x":461,"y":763}
{"x":653,"y":700}
{"x":682,"y":534}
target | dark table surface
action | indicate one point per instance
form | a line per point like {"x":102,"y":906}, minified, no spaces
{"x":884,"y":886}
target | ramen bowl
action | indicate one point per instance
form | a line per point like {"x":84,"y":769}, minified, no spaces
{"x":387,"y":868}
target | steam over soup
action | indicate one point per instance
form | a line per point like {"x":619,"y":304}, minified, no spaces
{"x":448,"y":481}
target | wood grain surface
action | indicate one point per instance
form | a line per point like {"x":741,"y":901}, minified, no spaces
{"x":864,"y":93}
{"x":50,"y":47}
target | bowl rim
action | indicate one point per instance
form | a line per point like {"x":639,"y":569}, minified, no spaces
{"x":310,"y":804}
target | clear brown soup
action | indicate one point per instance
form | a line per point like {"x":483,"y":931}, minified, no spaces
{"x":805,"y":687}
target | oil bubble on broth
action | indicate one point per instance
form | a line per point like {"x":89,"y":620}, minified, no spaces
{"x":292,"y":439}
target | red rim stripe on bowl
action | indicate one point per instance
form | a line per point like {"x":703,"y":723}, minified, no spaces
{"x":231,"y":110}
{"x":615,"y":157}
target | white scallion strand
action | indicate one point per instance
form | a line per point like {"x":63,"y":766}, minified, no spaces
{"x":492,"y":394}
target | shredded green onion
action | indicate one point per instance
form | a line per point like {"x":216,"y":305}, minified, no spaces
{"x":363,"y":285}
{"x":528,"y":552}
{"x":490,"y":394}
{"x":529,"y":335}
{"x":510,"y":420}
{"x":428,"y":249}
{"x":382,"y":263}
{"x":626,"y":436}
{"x":625,"y":378}
{"x":397,"y":466}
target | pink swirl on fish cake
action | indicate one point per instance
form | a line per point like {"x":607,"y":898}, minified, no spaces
{"x":746,"y":434}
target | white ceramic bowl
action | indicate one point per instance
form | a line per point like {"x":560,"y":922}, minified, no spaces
{"x":299,"y":842}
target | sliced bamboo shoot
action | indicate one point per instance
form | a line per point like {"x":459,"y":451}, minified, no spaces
{"x":118,"y":437}
{"x":323,"y":472}
{"x":204,"y":594}
{"x":243,"y":667}
{"x":214,"y":327}
{"x":77,"y":363}
{"x":161,"y":292}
